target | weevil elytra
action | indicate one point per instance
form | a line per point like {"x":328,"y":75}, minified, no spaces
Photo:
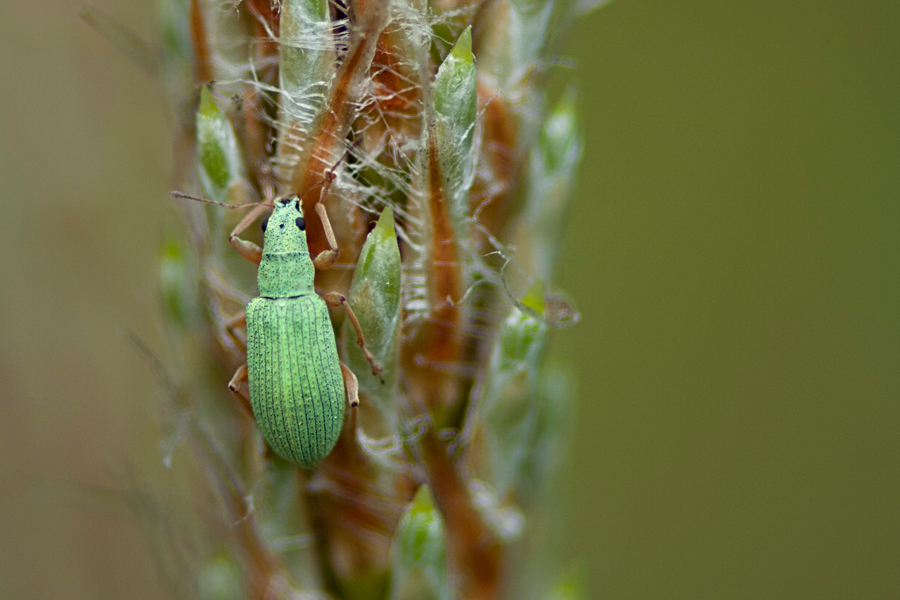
{"x":296,"y":379}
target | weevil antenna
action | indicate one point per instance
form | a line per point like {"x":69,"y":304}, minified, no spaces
{"x":183,"y":196}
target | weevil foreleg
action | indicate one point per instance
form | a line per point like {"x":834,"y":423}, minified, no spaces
{"x":240,"y":377}
{"x":336,"y":299}
{"x":351,"y":383}
{"x":248,"y":250}
{"x":326,"y":258}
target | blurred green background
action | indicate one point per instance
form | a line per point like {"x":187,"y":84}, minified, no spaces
{"x":733,"y":248}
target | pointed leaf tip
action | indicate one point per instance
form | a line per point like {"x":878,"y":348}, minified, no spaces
{"x":208,"y":107}
{"x":454,"y":85}
{"x":385,"y":225}
{"x":422,"y":501}
{"x":463,"y":48}
{"x":418,"y":552}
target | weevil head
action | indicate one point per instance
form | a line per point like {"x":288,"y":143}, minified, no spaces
{"x":285,"y":229}
{"x":286,"y":269}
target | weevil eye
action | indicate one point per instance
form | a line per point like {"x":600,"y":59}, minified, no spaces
{"x":297,"y":206}
{"x":301,"y":224}
{"x":265,"y":224}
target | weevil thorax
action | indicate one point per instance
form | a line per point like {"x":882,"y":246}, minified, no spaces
{"x":286,"y":269}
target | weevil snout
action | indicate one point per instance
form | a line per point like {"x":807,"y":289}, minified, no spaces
{"x":287,"y":201}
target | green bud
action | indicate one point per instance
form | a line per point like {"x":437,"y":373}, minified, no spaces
{"x":220,"y":579}
{"x":175,"y":281}
{"x":375,"y":298}
{"x":219,"y":156}
{"x":455,"y":105}
{"x":509,"y":397}
{"x":454,"y":85}
{"x":551,"y":175}
{"x":418,"y":553}
{"x":560,"y":141}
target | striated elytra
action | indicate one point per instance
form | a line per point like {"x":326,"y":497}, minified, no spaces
{"x":296,"y":387}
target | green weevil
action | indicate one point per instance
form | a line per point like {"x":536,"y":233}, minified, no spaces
{"x":296,"y":379}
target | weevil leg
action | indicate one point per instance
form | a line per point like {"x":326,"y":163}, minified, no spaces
{"x":240,"y":376}
{"x":238,"y":320}
{"x":336,"y":299}
{"x":248,"y":250}
{"x":352,"y":385}
{"x":326,"y":258}
{"x":231,"y":325}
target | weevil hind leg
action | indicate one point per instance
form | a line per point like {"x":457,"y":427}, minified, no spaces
{"x":336,"y":299}
{"x":351,"y":383}
{"x":235,"y":385}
